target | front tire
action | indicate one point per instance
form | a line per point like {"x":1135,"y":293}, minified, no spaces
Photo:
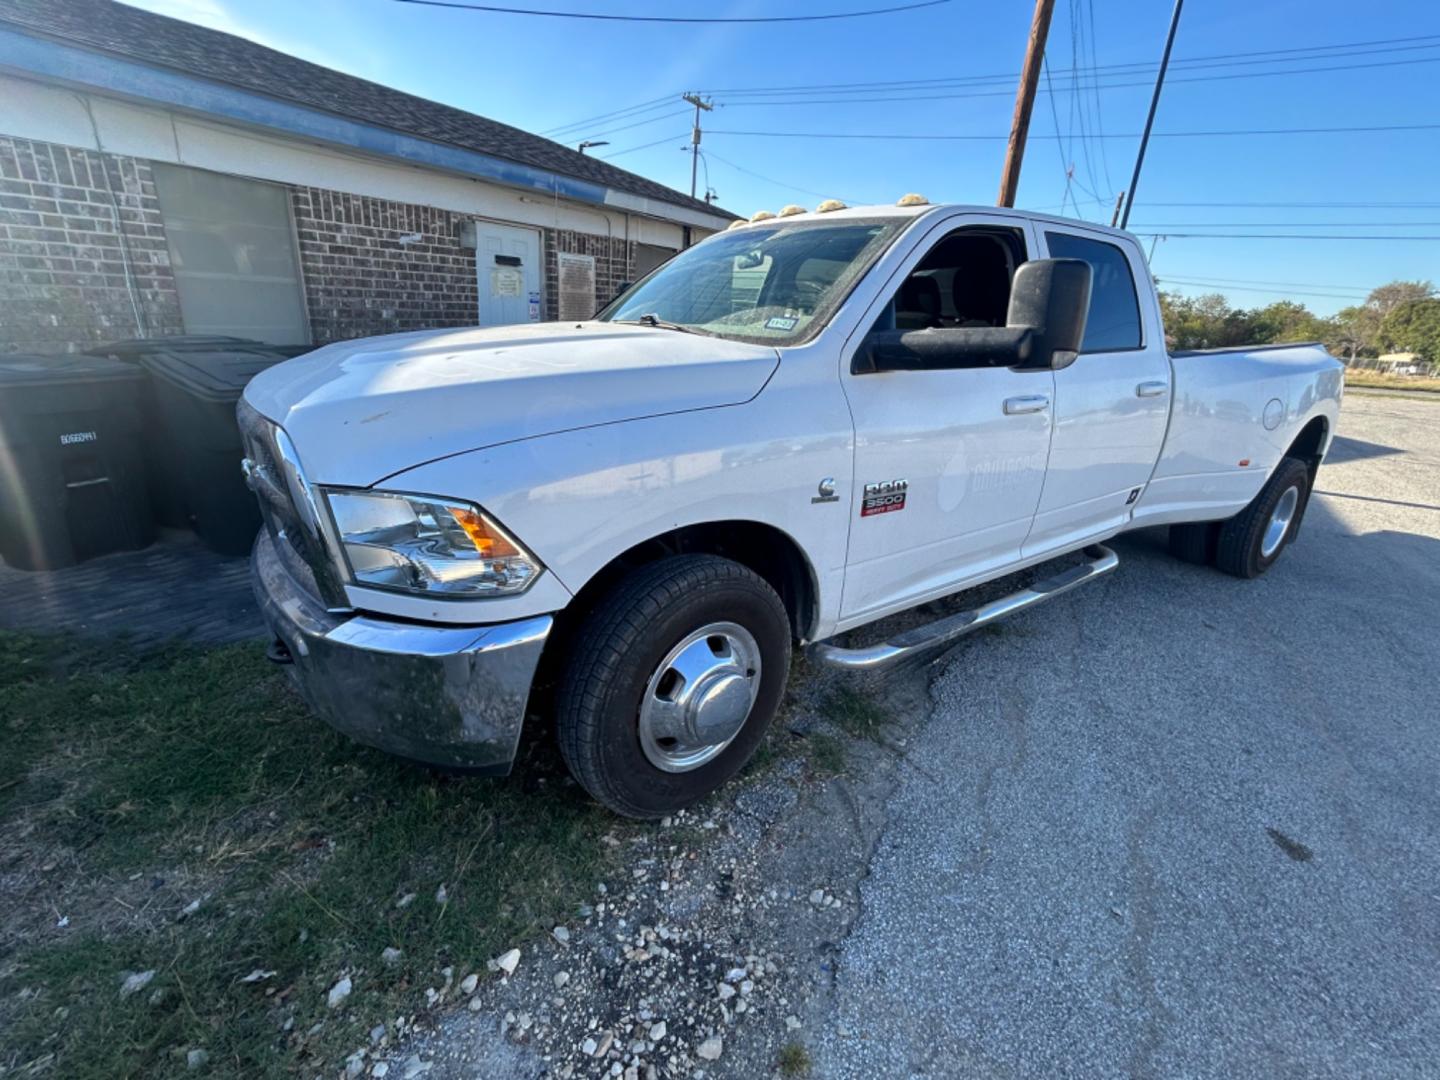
{"x":1253,"y":539}
{"x":672,"y":681}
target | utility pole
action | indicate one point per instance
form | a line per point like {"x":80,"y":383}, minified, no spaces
{"x":699,"y":103}
{"x":1119,"y":202}
{"x":1150,"y":119}
{"x":1024,"y":100}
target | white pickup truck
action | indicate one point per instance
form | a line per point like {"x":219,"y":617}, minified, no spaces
{"x":794,"y":428}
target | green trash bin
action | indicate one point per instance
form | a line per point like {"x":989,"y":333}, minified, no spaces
{"x":196,"y":460}
{"x":167,"y":485}
{"x":72,"y":485}
{"x":132,"y":349}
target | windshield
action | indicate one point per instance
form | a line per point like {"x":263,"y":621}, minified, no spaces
{"x":772,"y":283}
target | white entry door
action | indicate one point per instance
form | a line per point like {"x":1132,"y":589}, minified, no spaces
{"x":507,"y":264}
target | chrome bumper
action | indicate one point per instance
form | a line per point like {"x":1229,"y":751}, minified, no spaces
{"x":448,"y":696}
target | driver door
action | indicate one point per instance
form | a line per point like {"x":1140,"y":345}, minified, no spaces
{"x":949,"y":465}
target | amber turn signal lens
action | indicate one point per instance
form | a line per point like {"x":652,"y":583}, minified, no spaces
{"x":487,"y":541}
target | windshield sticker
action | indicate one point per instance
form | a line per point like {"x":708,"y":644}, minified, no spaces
{"x":781,"y":322}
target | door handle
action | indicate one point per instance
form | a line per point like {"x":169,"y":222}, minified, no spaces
{"x":1151,"y":389}
{"x":1030,"y":403}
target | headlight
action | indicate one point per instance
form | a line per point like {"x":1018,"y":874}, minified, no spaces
{"x":424,"y":545}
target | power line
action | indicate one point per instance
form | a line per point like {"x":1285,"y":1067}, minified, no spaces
{"x":1064,"y":160}
{"x":637,"y":123}
{"x":644,"y":146}
{"x":1328,"y":286}
{"x":1079,"y":100}
{"x":918,"y":85}
{"x":613,"y":114}
{"x":1316,"y":205}
{"x":1289,"y":224}
{"x":926,"y":136}
{"x":1132,"y":68}
{"x":1274,"y":236}
{"x":1099,"y":113}
{"x":1162,"y":282}
{"x":1108,"y":86}
{"x":599,"y":17}
{"x":772,"y":180}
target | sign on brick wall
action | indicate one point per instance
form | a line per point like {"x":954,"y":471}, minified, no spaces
{"x":577,"y":286}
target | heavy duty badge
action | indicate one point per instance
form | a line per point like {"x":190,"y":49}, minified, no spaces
{"x":884,"y":497}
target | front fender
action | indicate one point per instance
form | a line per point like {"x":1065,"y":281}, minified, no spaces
{"x":579,"y":499}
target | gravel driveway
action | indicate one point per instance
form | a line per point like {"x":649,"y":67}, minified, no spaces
{"x":1189,"y":825}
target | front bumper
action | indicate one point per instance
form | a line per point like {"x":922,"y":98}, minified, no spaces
{"x":451,"y":696}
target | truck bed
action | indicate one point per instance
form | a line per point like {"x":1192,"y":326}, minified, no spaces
{"x":1231,"y":421}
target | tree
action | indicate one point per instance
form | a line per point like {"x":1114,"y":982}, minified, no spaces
{"x":1353,"y":331}
{"x":1401,"y":311}
{"x":1413,"y":326}
{"x":1285,"y":320}
{"x":1202,"y":322}
{"x":1387,"y":297}
{"x":1356,"y":330}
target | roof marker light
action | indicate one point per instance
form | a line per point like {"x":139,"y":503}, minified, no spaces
{"x":739,"y":223}
{"x":829,"y":205}
{"x":913,"y":200}
{"x":761,"y":215}
{"x":791,"y":210}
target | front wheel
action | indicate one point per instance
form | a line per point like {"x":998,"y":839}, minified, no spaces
{"x":1251,"y":541}
{"x":673,"y":680}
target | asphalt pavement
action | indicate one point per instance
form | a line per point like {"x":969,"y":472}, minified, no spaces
{"x":1177,"y":824}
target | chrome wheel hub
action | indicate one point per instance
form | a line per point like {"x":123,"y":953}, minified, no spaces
{"x":699,"y":697}
{"x":1280,"y":520}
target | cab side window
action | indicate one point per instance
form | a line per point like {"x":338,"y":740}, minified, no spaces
{"x":963,"y":281}
{"x":1114,"y":321}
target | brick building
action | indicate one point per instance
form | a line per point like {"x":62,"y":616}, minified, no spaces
{"x":157,"y":178}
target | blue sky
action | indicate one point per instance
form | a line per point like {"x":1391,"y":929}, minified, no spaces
{"x":540,"y":74}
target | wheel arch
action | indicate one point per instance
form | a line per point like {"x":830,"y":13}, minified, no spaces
{"x":1310,"y":444}
{"x":767,"y":550}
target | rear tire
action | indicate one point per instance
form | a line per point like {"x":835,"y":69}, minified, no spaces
{"x":1195,"y":542}
{"x":673,"y":679}
{"x":1253,"y":539}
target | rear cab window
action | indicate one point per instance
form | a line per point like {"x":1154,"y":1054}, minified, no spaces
{"x":1114,"y":320}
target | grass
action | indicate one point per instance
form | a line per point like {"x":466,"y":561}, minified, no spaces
{"x":132,"y":785}
{"x":1379,"y":381}
{"x":794,"y":1060}
{"x":857,"y":714}
{"x":827,"y":753}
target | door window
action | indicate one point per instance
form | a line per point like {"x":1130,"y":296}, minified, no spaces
{"x":1114,"y":321}
{"x":964,"y":281}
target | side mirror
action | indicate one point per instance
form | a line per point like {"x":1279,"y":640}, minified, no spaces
{"x":1052,"y":298}
{"x":621,"y":290}
{"x":1045,"y":325}
{"x":943,"y":348}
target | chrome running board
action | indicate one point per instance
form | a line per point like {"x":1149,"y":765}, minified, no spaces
{"x":1100,"y":561}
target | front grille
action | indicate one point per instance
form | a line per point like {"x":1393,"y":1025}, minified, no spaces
{"x":288,"y":508}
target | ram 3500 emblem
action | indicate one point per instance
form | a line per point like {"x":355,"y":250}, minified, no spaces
{"x":884,"y":497}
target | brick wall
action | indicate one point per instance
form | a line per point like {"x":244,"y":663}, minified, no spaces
{"x":63,"y":282}
{"x":360,"y":279}
{"x":614,"y":260}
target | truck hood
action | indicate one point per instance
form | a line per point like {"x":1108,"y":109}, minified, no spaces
{"x":359,"y":411}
